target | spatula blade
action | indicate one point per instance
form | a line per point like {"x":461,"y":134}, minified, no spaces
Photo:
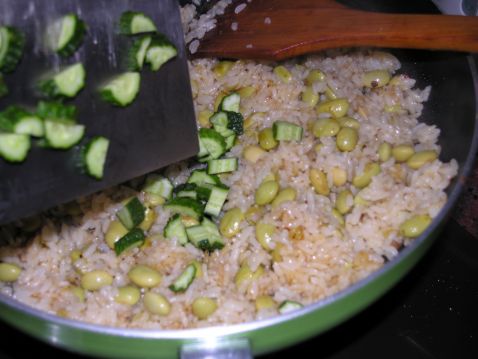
{"x":157,"y":129}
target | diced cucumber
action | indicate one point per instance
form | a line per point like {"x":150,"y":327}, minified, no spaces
{"x":286,"y":131}
{"x":175,"y":229}
{"x":66,"y":34}
{"x":205,"y":236}
{"x":213,"y":142}
{"x":230,"y":141}
{"x":14,"y":147}
{"x":56,"y":111}
{"x":17,"y":120}
{"x":63,"y":134}
{"x":66,"y":83}
{"x":186,"y":190}
{"x":186,"y":206}
{"x":220,"y":122}
{"x":122,"y":90}
{"x":288,"y":306}
{"x":3,"y":87}
{"x":182,"y":283}
{"x":95,"y":156}
{"x":12,"y":42}
{"x":216,"y":200}
{"x":133,"y":238}
{"x":201,"y":177}
{"x":137,"y":53}
{"x":132,"y":214}
{"x":133,"y":22}
{"x":231,"y":102}
{"x":158,"y":185}
{"x":222,"y":165}
{"x":203,"y":192}
{"x":160,"y":51}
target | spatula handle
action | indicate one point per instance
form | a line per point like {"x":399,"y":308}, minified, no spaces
{"x":295,"y":30}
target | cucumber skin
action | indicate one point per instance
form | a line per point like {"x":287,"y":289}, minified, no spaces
{"x":76,"y":41}
{"x":14,"y":51}
{"x":132,"y":63}
{"x":84,"y":157}
{"x":107,"y":95}
{"x":50,"y":89}
{"x":125,"y":22}
{"x":56,"y":110}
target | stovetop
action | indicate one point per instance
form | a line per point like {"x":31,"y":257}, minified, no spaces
{"x":431,"y":313}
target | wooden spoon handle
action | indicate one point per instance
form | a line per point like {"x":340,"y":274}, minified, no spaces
{"x":296,"y":30}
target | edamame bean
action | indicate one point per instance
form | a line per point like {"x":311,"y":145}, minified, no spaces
{"x":318,"y":179}
{"x":156,"y":304}
{"x":402,"y":153}
{"x":283,"y":74}
{"x":149,"y":218}
{"x":418,"y":159}
{"x":144,"y":277}
{"x":203,"y":307}
{"x":203,"y":118}
{"x":384,"y":151}
{"x":338,"y":216}
{"x":75,"y":254}
{"x":363,"y":180}
{"x":222,"y":68}
{"x":230,"y":222}
{"x":309,"y":97}
{"x":337,"y":108}
{"x":376,"y":78}
{"x":9,"y":272}
{"x":189,"y":221}
{"x":128,"y":295}
{"x":265,"y":302}
{"x":153,"y":200}
{"x":198,"y":266}
{"x":347,"y":139}
{"x":96,"y":280}
{"x":287,"y":194}
{"x":253,"y":153}
{"x":325,"y":127}
{"x":218,"y":100}
{"x":247,"y":91}
{"x":78,"y":292}
{"x":339,"y":176}
{"x":330,"y":94}
{"x":254,"y":213}
{"x":245,"y":274}
{"x":267,"y":140}
{"x":415,"y":226}
{"x":264,"y":233}
{"x":115,"y":231}
{"x":276,"y":255}
{"x":344,"y":201}
{"x":314,"y":76}
{"x":349,"y":122}
{"x":266,"y":192}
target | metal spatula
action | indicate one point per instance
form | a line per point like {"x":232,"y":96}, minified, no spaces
{"x":157,"y":129}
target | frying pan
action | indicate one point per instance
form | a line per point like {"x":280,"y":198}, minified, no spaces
{"x":452,"y":106}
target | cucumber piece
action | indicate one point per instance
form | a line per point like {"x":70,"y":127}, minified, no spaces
{"x":66,"y":34}
{"x":56,"y":111}
{"x":134,"y":22}
{"x":132,"y":214}
{"x":160,"y":51}
{"x":231,"y":102}
{"x":122,"y":90}
{"x":66,"y":83}
{"x":186,"y":190}
{"x":230,"y":141}
{"x":288,"y":306}
{"x":3,"y":87}
{"x":216,"y":200}
{"x":182,"y":283}
{"x":12,"y":42}
{"x":133,"y":238}
{"x":201,"y":177}
{"x":205,"y":236}
{"x":186,"y":206}
{"x":222,"y":165}
{"x":158,"y":185}
{"x":62,"y":134}
{"x":220,"y":123}
{"x":17,"y":120}
{"x":175,"y":229}
{"x":213,"y":142}
{"x":94,"y":156}
{"x":14,"y":147}
{"x":286,"y":131}
{"x":137,"y":53}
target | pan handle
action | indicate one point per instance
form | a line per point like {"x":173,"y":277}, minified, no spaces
{"x":235,"y":348}
{"x":457,"y":7}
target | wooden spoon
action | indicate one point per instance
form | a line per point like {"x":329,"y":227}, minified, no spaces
{"x":281,"y":29}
